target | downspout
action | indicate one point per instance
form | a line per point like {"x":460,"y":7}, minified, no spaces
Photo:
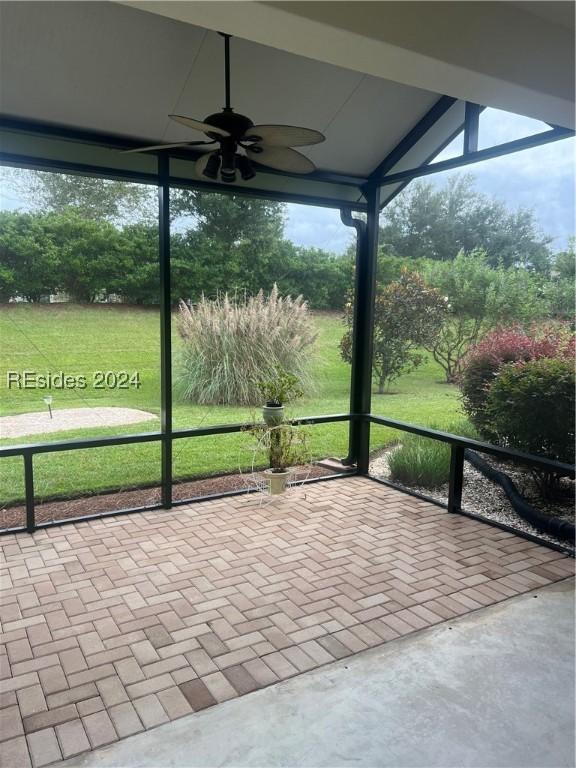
{"x":362,"y":329}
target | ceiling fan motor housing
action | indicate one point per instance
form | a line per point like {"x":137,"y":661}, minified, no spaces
{"x":230,"y":121}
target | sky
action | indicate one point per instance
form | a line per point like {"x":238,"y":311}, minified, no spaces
{"x":541,"y":178}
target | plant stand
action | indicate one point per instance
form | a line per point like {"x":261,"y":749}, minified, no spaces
{"x":266,"y":482}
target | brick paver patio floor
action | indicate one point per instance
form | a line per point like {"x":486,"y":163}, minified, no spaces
{"x":117,"y":625}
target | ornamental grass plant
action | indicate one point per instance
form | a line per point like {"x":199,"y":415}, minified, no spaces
{"x":230,"y":344}
{"x":425,"y":462}
{"x":420,"y":462}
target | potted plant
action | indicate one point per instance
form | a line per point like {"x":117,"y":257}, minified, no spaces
{"x":281,"y":388}
{"x":287,"y":447}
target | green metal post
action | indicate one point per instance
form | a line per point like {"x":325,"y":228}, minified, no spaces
{"x":29,"y":491}
{"x":355,"y":381}
{"x":362,"y":333}
{"x":165,"y":329}
{"x":456,"y":481}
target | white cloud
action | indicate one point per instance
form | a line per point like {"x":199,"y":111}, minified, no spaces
{"x":317,"y":227}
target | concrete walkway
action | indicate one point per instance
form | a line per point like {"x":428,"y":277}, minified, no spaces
{"x":491,"y":689}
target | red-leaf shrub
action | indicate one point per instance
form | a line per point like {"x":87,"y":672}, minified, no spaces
{"x":559,"y":337}
{"x":507,"y":345}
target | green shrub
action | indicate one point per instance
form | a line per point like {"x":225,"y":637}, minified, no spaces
{"x":231,"y":344}
{"x":422,"y":461}
{"x":280,"y":389}
{"x":530,"y":407}
{"x":501,"y":346}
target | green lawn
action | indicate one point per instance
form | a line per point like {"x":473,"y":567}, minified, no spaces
{"x":82,"y":340}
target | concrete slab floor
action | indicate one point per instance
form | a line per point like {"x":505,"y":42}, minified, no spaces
{"x":494,"y":688}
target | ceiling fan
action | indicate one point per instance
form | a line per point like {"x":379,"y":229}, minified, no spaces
{"x":240,"y":141}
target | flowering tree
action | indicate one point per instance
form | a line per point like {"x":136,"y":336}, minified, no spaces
{"x":408,"y":314}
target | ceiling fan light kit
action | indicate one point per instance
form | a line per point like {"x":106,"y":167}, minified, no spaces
{"x":245,"y":167}
{"x":209,"y":166}
{"x":241,"y":142}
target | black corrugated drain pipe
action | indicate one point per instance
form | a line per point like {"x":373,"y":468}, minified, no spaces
{"x":555,"y":526}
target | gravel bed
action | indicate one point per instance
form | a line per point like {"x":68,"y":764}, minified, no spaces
{"x":482,"y":497}
{"x":62,"y":419}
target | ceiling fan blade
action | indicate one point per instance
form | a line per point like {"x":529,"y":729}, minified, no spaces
{"x":285,"y":135}
{"x":167,"y":146}
{"x":281,"y":158}
{"x":198,"y":125}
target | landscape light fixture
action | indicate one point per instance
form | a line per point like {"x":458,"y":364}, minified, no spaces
{"x":48,"y":400}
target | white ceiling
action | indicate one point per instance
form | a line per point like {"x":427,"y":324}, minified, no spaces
{"x":111,"y":68}
{"x":515,"y":56}
{"x":559,"y":12}
{"x":117,"y":69}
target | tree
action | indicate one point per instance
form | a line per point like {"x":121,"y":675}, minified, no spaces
{"x":236,"y":244}
{"x":564,"y":265}
{"x":236,"y":238}
{"x":7,"y":283}
{"x":558,"y":294}
{"x":558,"y":291}
{"x":41,"y":254}
{"x":432,"y":222}
{"x":478,"y":298}
{"x":28,"y":258}
{"x":93,"y":197}
{"x":219,"y":242}
{"x":90,"y":262}
{"x":408,"y":314}
{"x":230,"y":219}
{"x":389,"y":268}
{"x":138,"y":252}
{"x":323,"y":278}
